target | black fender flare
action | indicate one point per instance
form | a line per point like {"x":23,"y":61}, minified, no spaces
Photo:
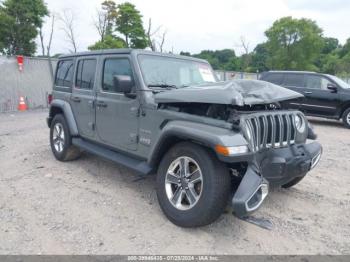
{"x":68,"y":114}
{"x":203,"y":134}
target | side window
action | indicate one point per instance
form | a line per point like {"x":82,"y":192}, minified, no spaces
{"x":85,"y":76}
{"x":112,"y":67}
{"x":64,"y":73}
{"x":274,"y":78}
{"x":317,"y":82}
{"x":293,"y":80}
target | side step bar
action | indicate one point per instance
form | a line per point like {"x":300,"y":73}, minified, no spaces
{"x":137,"y":165}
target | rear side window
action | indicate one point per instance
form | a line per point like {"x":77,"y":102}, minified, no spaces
{"x":64,"y":75}
{"x":273,"y":78}
{"x":85,"y":76}
{"x":112,"y":67}
{"x":294,"y":80}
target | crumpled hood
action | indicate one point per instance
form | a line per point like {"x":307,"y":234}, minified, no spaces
{"x":235,"y":92}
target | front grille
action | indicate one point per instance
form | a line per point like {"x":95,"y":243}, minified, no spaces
{"x":276,"y":129}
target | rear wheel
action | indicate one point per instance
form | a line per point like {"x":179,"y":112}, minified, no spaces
{"x":346,"y":118}
{"x":61,"y":141}
{"x":192,"y":185}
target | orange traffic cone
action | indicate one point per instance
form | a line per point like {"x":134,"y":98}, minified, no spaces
{"x":22,"y":104}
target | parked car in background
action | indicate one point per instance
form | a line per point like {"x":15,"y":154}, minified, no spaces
{"x":324,"y":95}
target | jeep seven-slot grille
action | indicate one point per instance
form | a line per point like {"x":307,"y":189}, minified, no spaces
{"x":270,"y":130}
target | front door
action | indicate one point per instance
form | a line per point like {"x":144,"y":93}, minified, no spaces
{"x":83,"y":95}
{"x":116,"y":113}
{"x":319,"y":100}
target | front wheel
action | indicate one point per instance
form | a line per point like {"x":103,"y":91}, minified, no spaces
{"x":192,"y":185}
{"x":346,"y":118}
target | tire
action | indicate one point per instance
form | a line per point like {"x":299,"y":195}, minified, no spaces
{"x":61,"y":143}
{"x":293,"y":182}
{"x":211,"y":192}
{"x":346,"y":118}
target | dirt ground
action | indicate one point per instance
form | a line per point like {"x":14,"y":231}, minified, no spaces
{"x":91,"y":206}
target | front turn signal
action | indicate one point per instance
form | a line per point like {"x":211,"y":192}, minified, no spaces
{"x":231,"y":150}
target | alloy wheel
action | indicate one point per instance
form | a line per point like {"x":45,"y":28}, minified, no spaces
{"x":184,"y":183}
{"x":58,"y":137}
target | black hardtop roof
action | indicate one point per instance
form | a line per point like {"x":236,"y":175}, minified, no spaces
{"x":128,"y":51}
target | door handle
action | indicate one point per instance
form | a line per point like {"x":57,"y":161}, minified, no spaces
{"x":76,"y":99}
{"x":101,"y":104}
{"x":308,"y":92}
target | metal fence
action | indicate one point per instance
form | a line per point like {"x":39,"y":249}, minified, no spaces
{"x":33,"y":83}
{"x":230,"y":75}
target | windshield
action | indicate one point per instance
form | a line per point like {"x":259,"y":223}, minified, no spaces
{"x":168,"y":72}
{"x":340,"y":82}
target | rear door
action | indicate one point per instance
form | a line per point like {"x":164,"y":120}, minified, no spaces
{"x":83,"y":95}
{"x":116,"y":114}
{"x":319,"y":100}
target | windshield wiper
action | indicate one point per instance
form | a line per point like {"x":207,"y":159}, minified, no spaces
{"x":167,"y":86}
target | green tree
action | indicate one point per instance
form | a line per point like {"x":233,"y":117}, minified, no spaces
{"x":185,"y":53}
{"x":20,"y":21}
{"x":330,"y":45}
{"x":343,"y":66}
{"x":129,"y":24}
{"x":110,"y":11}
{"x":293,"y":44}
{"x":259,"y":58}
{"x":109,"y":42}
{"x":328,"y":63}
{"x":220,"y":59}
{"x":345,"y":49}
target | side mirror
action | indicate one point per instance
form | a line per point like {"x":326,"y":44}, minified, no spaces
{"x":332,"y":87}
{"x":123,"y":83}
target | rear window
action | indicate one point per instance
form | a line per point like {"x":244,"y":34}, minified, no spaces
{"x":293,"y":80}
{"x":85,"y":76}
{"x":64,"y":75}
{"x":273,"y":78}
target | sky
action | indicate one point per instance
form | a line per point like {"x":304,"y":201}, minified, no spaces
{"x":195,"y":25}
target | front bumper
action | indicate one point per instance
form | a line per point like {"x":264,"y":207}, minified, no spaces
{"x":272,"y":168}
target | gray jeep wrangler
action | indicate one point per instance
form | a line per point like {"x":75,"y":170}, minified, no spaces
{"x":210,"y":142}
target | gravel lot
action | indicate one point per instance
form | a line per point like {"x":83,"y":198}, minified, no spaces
{"x":94,"y":206}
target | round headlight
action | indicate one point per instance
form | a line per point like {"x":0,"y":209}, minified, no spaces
{"x":299,"y":123}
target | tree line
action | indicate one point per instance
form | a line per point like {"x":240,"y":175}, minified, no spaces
{"x":118,"y":26}
{"x":291,"y":44}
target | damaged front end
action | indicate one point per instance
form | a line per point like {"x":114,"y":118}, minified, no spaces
{"x":278,"y":155}
{"x":250,"y":194}
{"x":266,"y":144}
